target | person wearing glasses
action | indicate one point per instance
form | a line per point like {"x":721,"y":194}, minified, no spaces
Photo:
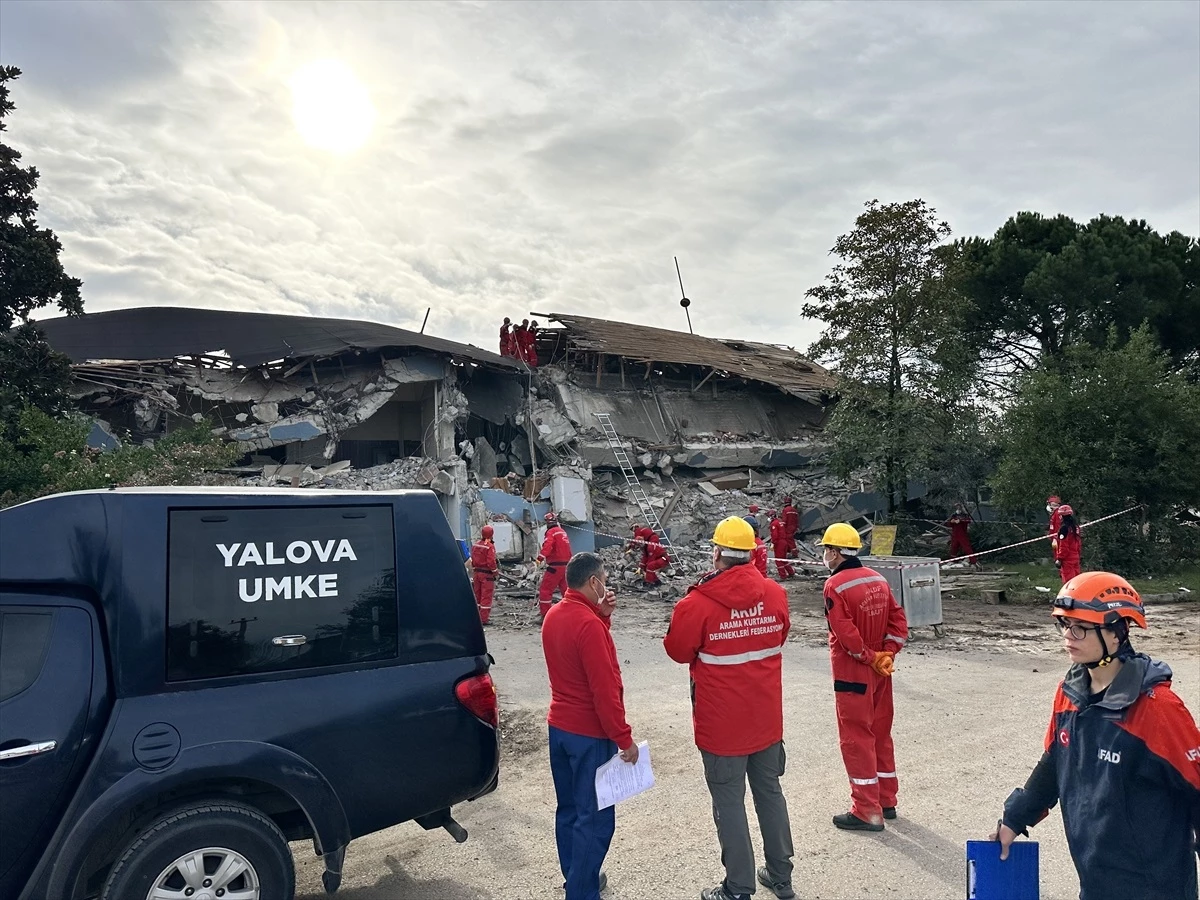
{"x":1122,"y":755}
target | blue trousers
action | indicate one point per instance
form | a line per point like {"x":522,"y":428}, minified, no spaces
{"x":582,"y":832}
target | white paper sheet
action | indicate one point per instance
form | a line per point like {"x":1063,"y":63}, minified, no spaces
{"x":617,"y":780}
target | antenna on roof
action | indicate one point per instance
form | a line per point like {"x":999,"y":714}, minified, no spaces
{"x":684,"y":301}
{"x":426,"y":319}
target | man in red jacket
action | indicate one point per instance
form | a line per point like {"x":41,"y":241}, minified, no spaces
{"x":506,"y":338}
{"x":483,"y":572}
{"x":654,"y":557}
{"x":759,"y":556}
{"x":867,"y":628}
{"x":730,"y":629}
{"x":781,"y":544}
{"x":1068,"y":546}
{"x":791,"y":522}
{"x":586,"y":719}
{"x":960,"y":535}
{"x":556,"y":552}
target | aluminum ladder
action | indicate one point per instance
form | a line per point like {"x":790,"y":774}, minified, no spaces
{"x":631,"y":479}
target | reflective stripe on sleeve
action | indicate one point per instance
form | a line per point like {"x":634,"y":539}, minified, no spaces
{"x":899,"y":640}
{"x":886,"y":774}
{"x":864,"y":781}
{"x":736,"y":659}
{"x":866,"y":579}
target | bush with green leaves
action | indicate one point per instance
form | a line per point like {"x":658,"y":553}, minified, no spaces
{"x":49,"y":455}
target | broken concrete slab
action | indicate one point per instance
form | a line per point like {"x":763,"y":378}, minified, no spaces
{"x":709,"y":488}
{"x":265,"y":412}
{"x":484,"y":462}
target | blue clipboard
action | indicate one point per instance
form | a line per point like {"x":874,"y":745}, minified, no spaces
{"x":1016,"y":878}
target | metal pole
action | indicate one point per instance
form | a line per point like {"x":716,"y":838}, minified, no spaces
{"x":426,"y":319}
{"x":683,"y":301}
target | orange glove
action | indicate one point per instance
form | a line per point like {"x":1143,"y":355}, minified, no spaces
{"x":884,"y":663}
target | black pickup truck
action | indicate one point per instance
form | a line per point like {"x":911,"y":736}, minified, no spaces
{"x":191,"y":678}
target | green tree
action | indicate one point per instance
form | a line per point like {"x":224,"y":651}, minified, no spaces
{"x":1107,"y":428}
{"x":892,"y":336}
{"x":1042,"y":284}
{"x":31,"y":277}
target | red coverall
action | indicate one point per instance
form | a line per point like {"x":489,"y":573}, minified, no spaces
{"x":960,"y":538}
{"x":781,"y":543}
{"x":654,"y":556}
{"x":556,"y":553}
{"x":759,"y":556}
{"x":1055,"y":527}
{"x":528,"y":348}
{"x":864,"y":618}
{"x":791,"y":520}
{"x":483,"y":579}
{"x":1067,"y":550}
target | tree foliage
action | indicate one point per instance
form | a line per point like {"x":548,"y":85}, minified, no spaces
{"x":31,"y":277}
{"x":1043,"y":284}
{"x":49,"y":455}
{"x":891,"y":335}
{"x":1107,"y":428}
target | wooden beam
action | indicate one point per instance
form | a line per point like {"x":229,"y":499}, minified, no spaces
{"x":649,"y":363}
{"x":599,"y":367}
{"x":622,"y":359}
{"x":711,"y":373}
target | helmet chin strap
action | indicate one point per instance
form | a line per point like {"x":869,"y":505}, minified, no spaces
{"x":1124,"y":649}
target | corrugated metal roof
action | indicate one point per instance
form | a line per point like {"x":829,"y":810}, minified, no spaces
{"x":249,"y":338}
{"x":785,"y":369}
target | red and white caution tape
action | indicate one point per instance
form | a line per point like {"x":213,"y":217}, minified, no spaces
{"x":1042,"y":537}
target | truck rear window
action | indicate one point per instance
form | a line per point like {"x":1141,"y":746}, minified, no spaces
{"x":268,"y":590}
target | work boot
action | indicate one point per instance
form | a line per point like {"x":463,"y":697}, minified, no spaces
{"x":781,"y":889}
{"x":851,"y":822}
{"x":721,"y":892}
{"x":889,"y":812}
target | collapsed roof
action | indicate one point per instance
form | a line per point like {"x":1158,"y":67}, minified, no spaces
{"x":778,"y":366}
{"x":248,"y":339}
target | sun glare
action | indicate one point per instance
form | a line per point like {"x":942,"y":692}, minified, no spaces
{"x":331,"y":106}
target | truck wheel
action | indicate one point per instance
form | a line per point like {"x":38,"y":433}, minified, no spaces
{"x":213,"y":851}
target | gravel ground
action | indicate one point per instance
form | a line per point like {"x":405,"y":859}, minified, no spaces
{"x":971,"y":709}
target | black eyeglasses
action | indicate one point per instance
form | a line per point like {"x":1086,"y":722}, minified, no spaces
{"x":1077,"y":632}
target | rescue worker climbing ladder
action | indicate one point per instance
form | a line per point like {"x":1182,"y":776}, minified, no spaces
{"x":867,"y":628}
{"x":483,"y":572}
{"x":556,"y":553}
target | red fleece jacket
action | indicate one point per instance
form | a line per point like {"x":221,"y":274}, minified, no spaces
{"x":586,"y":693}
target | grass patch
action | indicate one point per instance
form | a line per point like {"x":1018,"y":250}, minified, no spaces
{"x":1020,"y":585}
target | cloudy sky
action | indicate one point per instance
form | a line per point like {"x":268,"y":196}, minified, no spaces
{"x":491,"y":158}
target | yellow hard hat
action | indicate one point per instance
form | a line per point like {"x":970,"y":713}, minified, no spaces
{"x":734,"y":533}
{"x":842,"y":536}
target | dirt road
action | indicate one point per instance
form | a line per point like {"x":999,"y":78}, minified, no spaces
{"x":971,"y":710}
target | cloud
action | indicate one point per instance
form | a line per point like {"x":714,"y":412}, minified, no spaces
{"x":527,"y":160}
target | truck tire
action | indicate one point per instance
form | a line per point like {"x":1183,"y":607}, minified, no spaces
{"x":201,"y":846}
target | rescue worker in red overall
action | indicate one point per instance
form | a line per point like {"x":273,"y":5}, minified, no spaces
{"x":529,"y":353}
{"x":1068,"y":545}
{"x":867,"y":628}
{"x":519,"y":336}
{"x":1052,"y":507}
{"x":556,"y":553}
{"x":791,"y":522}
{"x":781,"y":544}
{"x":730,"y":629}
{"x":654,"y":557}
{"x":506,"y":338}
{"x":483,"y":572}
{"x":1121,"y":754}
{"x":960,"y":536}
{"x":759,"y":555}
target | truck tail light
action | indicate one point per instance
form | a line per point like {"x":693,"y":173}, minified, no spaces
{"x":478,"y":695}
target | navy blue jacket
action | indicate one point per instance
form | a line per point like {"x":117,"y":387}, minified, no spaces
{"x":1127,"y":771}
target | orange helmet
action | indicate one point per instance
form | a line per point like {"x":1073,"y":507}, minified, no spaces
{"x":487,"y":531}
{"x":1066,"y":509}
{"x":1053,"y":498}
{"x":1101,"y":598}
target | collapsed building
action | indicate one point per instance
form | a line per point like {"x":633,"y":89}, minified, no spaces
{"x":709,"y":425}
